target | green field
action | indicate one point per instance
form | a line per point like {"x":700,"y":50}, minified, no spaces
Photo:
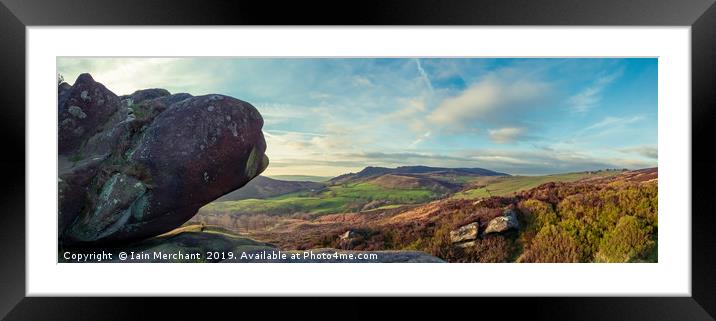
{"x":336,"y":199}
{"x":352,"y":197}
{"x":503,"y":186}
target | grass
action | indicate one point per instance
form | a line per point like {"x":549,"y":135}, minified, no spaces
{"x":504,"y":186}
{"x":352,"y":197}
{"x":387,"y":207}
{"x":336,"y":199}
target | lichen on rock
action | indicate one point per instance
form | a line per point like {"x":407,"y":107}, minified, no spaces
{"x":157,"y":158}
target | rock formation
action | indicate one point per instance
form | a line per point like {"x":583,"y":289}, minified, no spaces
{"x":500,"y":224}
{"x":141,"y":165}
{"x":465,"y":233}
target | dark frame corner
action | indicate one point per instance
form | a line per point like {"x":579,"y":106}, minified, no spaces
{"x":15,"y":15}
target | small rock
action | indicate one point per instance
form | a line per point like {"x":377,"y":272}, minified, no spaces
{"x":507,"y":221}
{"x":466,"y":244}
{"x":348,"y":235}
{"x":465,"y":233}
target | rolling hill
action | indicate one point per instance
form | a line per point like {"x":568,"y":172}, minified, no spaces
{"x":373,"y":172}
{"x":370,"y":189}
{"x":263,"y":187}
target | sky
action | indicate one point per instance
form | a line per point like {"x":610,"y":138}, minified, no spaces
{"x":329,"y":116}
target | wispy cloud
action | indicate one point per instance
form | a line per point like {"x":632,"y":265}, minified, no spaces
{"x":613,"y":122}
{"x":424,"y":75}
{"x":644,"y":151}
{"x":591,"y":96}
{"x":507,"y":134}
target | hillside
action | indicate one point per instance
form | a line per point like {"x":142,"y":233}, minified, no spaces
{"x":372,"y":172}
{"x":395,"y":181}
{"x":370,"y":189}
{"x":263,"y":187}
{"x":301,"y":178}
{"x":333,"y":199}
{"x":603,"y":216}
{"x":504,"y":186}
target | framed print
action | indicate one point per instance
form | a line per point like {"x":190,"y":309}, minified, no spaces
{"x":516,"y":150}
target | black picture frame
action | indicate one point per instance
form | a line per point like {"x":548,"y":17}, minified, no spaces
{"x":15,"y":15}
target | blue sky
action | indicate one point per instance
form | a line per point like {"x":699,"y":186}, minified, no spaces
{"x":327,"y":116}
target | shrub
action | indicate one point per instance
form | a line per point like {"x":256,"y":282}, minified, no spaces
{"x":535,"y":214}
{"x":552,"y":244}
{"x":629,"y":240}
{"x":494,"y":249}
{"x":439,"y":245}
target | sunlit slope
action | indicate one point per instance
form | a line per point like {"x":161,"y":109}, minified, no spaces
{"x":506,"y":185}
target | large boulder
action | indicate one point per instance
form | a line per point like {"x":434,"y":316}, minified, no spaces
{"x":148,"y":174}
{"x":500,"y":224}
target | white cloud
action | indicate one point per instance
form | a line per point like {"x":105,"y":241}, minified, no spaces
{"x":492,"y":100}
{"x":362,"y":81}
{"x":125,"y":75}
{"x":591,"y":96}
{"x":420,"y":139}
{"x":506,"y":134}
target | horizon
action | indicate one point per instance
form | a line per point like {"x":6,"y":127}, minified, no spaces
{"x":510,"y":174}
{"x":329,"y":116}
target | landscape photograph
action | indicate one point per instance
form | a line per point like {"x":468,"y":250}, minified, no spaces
{"x":357,"y":160}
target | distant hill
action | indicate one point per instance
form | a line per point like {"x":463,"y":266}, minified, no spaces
{"x":301,"y":178}
{"x":394,"y":181}
{"x":263,"y":187}
{"x":373,"y":172}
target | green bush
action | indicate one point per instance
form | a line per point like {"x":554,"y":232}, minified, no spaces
{"x":629,"y":240}
{"x":535,"y":214}
{"x":495,"y":249}
{"x":552,"y":245}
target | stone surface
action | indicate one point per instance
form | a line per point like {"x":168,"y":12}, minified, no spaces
{"x":348,"y":235}
{"x":326,"y":255}
{"x":349,"y":240}
{"x":503,"y":223}
{"x":144,"y":173}
{"x":184,"y":245}
{"x":465,"y":233}
{"x":146,"y":94}
{"x":85,"y":109}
